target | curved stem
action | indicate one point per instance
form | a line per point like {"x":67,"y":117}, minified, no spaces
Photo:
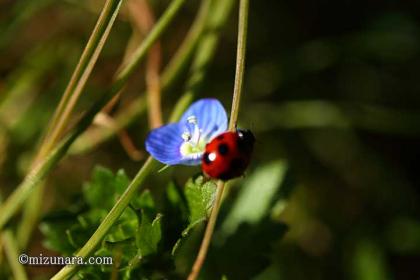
{"x":240,"y":67}
{"x":154,"y":87}
{"x":15,"y":200}
{"x":61,"y":116}
{"x":172,"y":71}
{"x":110,"y":218}
{"x":199,"y":261}
{"x":12,"y":253}
{"x":81,"y":74}
{"x":201,"y":60}
{"x":240,"y":62}
{"x":205,"y":54}
{"x":144,"y":19}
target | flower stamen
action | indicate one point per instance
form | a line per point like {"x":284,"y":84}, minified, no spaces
{"x":195,"y":139}
{"x":194,"y":143}
{"x":186,"y":136}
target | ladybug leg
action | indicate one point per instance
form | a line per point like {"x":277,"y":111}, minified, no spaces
{"x":205,"y":178}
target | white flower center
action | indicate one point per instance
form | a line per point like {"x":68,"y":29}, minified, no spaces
{"x":194,"y":144}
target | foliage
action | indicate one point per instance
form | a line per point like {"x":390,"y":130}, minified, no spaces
{"x":330,"y":92}
{"x":147,"y":242}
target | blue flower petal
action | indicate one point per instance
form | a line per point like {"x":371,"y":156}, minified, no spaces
{"x":164,"y":143}
{"x":211,"y":117}
{"x":167,"y":144}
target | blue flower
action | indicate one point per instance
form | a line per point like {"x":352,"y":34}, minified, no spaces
{"x":184,"y":142}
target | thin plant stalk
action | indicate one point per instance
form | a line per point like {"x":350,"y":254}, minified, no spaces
{"x":30,"y":215}
{"x":110,"y":218}
{"x":104,"y":120}
{"x":82,"y":72}
{"x":178,"y":62}
{"x":147,"y":168}
{"x":212,"y":25}
{"x":1,"y":250}
{"x":61,"y":116}
{"x":239,"y":74}
{"x":15,"y":200}
{"x":97,"y":135}
{"x":144,"y":20}
{"x":12,"y":253}
{"x":240,"y":62}
{"x":153,"y":87}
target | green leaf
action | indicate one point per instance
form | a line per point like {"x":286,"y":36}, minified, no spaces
{"x":249,"y":221}
{"x":199,"y":193}
{"x":123,"y":251}
{"x":54,"y":227}
{"x":149,"y":234}
{"x":125,"y":227}
{"x":104,"y":188}
{"x":66,"y":231}
{"x":133,"y":241}
{"x":256,"y":196}
{"x":54,"y":240}
{"x":144,"y":201}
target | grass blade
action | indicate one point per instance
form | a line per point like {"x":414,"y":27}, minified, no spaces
{"x":15,"y":200}
{"x":66,"y":106}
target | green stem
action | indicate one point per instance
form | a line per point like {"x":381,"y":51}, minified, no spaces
{"x":30,"y":215}
{"x":128,"y":69}
{"x":172,"y":71}
{"x":205,"y":52}
{"x":15,"y":200}
{"x":80,"y":75}
{"x":61,"y":116}
{"x":206,"y":43}
{"x":181,"y":58}
{"x":12,"y":254}
{"x":12,"y":204}
{"x":240,"y":62}
{"x":110,"y":218}
{"x":239,"y":74}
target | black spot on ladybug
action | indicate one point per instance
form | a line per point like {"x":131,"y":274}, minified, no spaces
{"x":206,"y":158}
{"x":223,"y":149}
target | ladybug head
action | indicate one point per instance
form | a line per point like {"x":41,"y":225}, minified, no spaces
{"x":247,"y":139}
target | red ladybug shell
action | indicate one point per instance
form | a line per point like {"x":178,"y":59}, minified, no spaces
{"x":228,"y":155}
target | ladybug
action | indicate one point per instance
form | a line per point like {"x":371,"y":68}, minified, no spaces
{"x":228,"y":155}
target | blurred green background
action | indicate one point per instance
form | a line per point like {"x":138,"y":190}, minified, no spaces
{"x":332,"y":94}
